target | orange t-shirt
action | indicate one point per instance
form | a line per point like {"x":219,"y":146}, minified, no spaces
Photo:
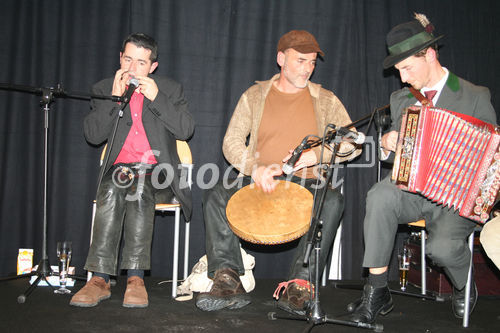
{"x":286,"y":120}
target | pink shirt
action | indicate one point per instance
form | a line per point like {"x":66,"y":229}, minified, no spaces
{"x":136,"y":147}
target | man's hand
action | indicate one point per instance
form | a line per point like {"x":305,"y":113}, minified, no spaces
{"x":389,"y":141}
{"x":120,"y":83}
{"x":263,"y":177}
{"x":307,"y":159}
{"x":147,"y":87}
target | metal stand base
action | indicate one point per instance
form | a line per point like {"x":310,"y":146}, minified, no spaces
{"x":324,"y":319}
{"x":315,"y":315}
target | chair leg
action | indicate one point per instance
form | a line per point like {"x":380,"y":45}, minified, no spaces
{"x":186,"y":249}
{"x":465,"y":321}
{"x":323,"y":276}
{"x":176,"y":252}
{"x":94,"y":207}
{"x":335,"y":259}
{"x":423,"y":264}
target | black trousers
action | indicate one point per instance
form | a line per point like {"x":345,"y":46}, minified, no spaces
{"x":387,"y":206}
{"x":124,"y":205}
{"x":223,"y":246}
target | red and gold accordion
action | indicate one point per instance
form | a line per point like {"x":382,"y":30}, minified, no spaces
{"x":449,"y":158}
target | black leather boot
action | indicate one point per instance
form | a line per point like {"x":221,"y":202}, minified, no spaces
{"x":458,"y":300}
{"x":373,"y":302}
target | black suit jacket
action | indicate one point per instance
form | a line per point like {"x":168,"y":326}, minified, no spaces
{"x":165,"y":120}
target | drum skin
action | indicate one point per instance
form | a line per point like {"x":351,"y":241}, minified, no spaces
{"x":270,"y":218}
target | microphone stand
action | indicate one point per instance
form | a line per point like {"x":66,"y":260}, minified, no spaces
{"x":314,"y":314}
{"x":125,"y":102}
{"x":48,"y":94}
{"x":331,"y":134}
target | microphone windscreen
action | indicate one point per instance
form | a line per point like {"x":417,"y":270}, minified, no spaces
{"x":360,"y":139}
{"x":287,"y":169}
{"x":133,"y":82}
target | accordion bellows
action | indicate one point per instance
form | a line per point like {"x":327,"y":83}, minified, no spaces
{"x":449,"y":158}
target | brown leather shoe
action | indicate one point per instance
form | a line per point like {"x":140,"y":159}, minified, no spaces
{"x":295,"y":297}
{"x":227,"y":292}
{"x":94,"y":291}
{"x":135,"y":295}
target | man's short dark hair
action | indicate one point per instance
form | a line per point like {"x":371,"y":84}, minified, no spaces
{"x":144,"y":41}
{"x":422,"y":53}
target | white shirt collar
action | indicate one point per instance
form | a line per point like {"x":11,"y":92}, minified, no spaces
{"x":438,"y":86}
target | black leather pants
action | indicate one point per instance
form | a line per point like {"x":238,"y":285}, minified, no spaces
{"x":223,"y":246}
{"x":123,"y":205}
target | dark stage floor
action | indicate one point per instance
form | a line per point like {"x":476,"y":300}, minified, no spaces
{"x":45,"y":311}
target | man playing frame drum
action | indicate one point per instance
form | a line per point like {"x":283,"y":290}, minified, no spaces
{"x":276,"y":115}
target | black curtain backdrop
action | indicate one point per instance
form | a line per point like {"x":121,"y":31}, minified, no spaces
{"x":216,"y":49}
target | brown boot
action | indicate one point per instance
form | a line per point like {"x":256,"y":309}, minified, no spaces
{"x":94,"y":291}
{"x":135,"y":295}
{"x":295,"y":297}
{"x":227,"y":292}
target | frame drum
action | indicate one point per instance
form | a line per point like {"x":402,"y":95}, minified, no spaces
{"x":270,"y":218}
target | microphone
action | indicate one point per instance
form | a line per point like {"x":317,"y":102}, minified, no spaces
{"x":297,"y":152}
{"x":357,"y":137}
{"x":133,"y":83}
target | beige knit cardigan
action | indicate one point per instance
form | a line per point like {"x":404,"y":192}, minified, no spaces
{"x":248,"y":114}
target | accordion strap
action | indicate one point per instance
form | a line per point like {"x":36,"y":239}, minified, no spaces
{"x":421,"y":98}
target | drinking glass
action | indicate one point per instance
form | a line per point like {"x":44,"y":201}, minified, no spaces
{"x":404,"y":257}
{"x":64,"y":254}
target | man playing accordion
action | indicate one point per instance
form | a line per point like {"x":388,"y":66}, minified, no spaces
{"x":413,"y":52}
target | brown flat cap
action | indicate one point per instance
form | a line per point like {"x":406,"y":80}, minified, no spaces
{"x":299,"y":40}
